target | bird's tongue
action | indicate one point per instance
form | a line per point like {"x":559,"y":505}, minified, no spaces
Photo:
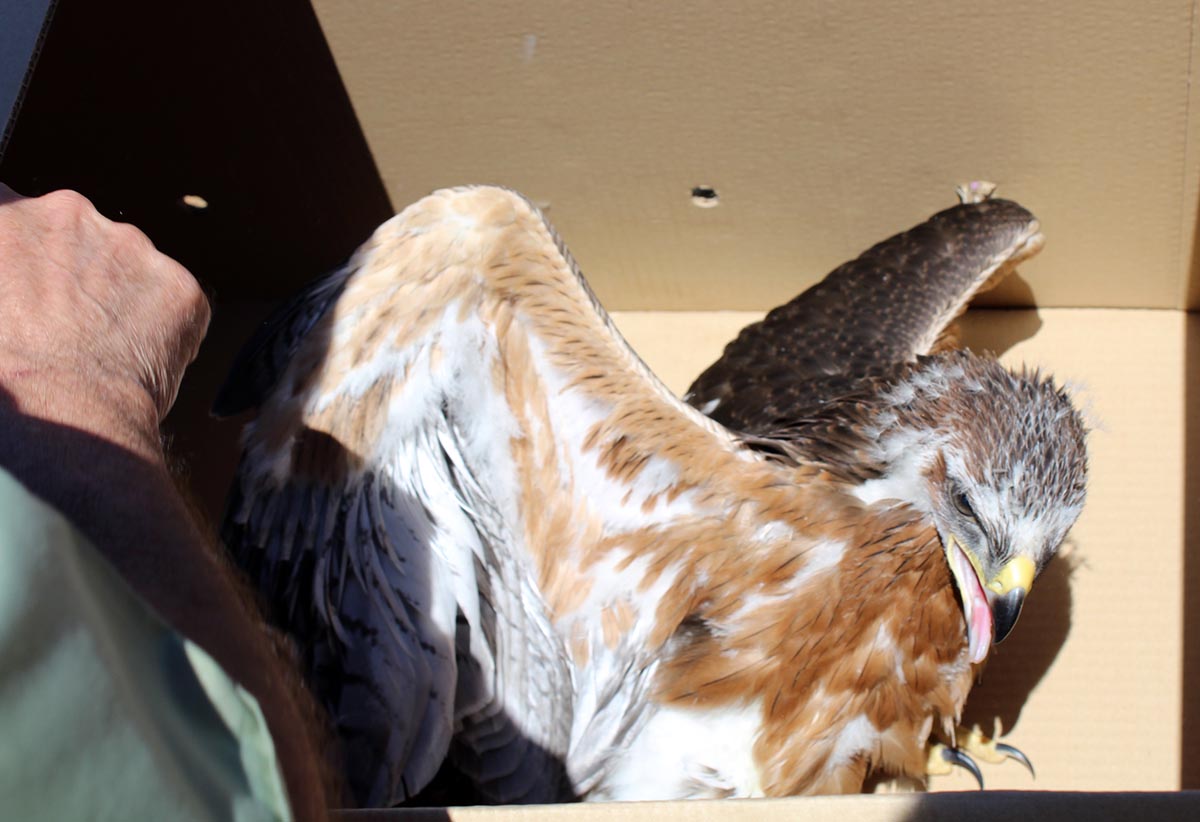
{"x":975,"y":607}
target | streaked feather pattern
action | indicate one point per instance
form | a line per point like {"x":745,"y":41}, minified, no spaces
{"x":894,"y":302}
{"x":502,"y":543}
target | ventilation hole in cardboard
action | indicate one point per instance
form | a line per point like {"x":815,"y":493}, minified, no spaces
{"x":193,"y":202}
{"x":705,"y":197}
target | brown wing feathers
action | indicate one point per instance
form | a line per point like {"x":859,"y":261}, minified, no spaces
{"x":887,"y":306}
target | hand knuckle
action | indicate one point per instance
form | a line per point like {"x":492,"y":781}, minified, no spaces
{"x":193,"y":295}
{"x":131,"y":239}
{"x":187,"y":293}
{"x":66,"y":211}
{"x":68,"y":201}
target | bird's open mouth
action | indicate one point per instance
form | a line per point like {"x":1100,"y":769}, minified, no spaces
{"x":976,"y":610}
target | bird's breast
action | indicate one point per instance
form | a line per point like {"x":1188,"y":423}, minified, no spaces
{"x":701,"y":753}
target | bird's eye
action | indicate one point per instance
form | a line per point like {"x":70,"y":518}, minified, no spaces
{"x":963,"y":504}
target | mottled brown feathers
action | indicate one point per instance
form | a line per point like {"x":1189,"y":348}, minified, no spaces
{"x":459,"y":385}
{"x":812,"y":654}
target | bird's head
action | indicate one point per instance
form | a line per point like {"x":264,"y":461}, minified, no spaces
{"x":997,"y":459}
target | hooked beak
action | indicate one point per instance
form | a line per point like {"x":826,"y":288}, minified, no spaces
{"x":992,"y":612}
{"x":1009,"y":588}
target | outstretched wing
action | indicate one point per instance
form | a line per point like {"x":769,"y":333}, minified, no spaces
{"x":450,"y":434}
{"x":355,"y":514}
{"x":894,"y":302}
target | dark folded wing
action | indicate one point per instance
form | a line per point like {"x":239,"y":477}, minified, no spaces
{"x":891,"y":304}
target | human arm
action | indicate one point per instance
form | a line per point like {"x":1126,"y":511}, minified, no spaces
{"x":96,"y":329}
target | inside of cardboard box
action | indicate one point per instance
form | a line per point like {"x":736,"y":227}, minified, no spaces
{"x":820,"y":126}
{"x":1099,"y":685}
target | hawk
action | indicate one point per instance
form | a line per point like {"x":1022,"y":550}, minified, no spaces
{"x":503,"y":546}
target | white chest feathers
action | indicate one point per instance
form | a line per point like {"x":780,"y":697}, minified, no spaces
{"x":686,"y":754}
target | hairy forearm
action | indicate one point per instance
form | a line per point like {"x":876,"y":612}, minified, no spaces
{"x":96,"y":329}
{"x":98,"y":460}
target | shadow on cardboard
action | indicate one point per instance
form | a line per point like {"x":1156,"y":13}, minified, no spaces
{"x":1015,"y":667}
{"x":239,"y":105}
{"x":987,"y":328}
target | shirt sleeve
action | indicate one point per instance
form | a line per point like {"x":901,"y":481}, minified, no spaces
{"x":106,"y":712}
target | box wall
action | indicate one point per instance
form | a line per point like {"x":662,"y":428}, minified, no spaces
{"x":1190,"y":229}
{"x":818,"y":124}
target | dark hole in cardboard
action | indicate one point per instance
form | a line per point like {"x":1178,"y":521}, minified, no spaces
{"x":705,"y":197}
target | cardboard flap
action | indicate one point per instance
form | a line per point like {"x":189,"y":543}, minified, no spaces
{"x":24,"y":23}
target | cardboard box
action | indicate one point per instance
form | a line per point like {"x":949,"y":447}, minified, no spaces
{"x":824,"y":129}
{"x":821,"y":129}
{"x":20,"y":37}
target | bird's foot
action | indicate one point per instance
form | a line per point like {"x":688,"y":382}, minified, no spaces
{"x":943,"y":759}
{"x":970,"y":744}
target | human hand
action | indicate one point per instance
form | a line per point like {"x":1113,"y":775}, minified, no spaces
{"x":96,"y":326}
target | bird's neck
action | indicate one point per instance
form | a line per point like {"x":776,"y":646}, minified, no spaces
{"x":901,"y":459}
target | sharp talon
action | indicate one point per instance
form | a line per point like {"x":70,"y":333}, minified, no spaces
{"x":1013,"y":753}
{"x":957,"y":757}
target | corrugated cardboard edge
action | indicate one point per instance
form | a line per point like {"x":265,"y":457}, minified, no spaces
{"x":1189,"y":759}
{"x":25,"y":30}
{"x":1190,"y":207}
{"x":1003,"y":806}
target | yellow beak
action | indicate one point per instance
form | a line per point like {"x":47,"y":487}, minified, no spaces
{"x":1009,"y":588}
{"x":1018,"y":573}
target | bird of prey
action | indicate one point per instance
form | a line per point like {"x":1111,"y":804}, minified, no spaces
{"x":503,"y":546}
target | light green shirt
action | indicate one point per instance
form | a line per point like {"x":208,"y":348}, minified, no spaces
{"x":105,"y":712}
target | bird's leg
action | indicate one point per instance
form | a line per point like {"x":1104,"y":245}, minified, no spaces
{"x":969,"y":743}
